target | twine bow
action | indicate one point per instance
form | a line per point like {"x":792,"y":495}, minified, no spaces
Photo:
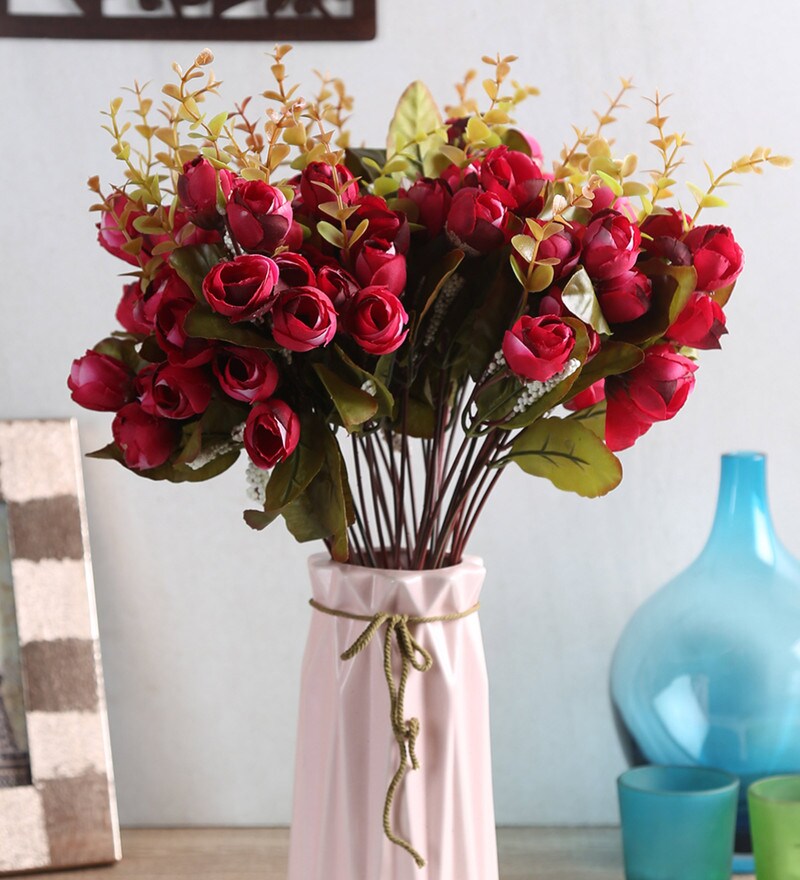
{"x":412,"y":656}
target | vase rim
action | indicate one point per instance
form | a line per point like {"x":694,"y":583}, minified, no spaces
{"x":322,"y":560}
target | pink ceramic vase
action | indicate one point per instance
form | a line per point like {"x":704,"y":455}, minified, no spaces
{"x":347,"y":746}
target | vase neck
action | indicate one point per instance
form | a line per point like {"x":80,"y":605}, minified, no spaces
{"x":742,"y":524}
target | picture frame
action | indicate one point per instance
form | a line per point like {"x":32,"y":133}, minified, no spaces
{"x":57,"y":803}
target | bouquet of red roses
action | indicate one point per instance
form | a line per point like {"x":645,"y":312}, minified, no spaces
{"x":383,"y":331}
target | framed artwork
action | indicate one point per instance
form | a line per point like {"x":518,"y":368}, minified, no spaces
{"x":57,"y":806}
{"x":198,"y":20}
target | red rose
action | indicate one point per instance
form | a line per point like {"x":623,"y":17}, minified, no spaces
{"x":317,"y":186}
{"x":458,"y":178}
{"x":146,"y":441}
{"x":338,"y":284}
{"x":588,"y":397}
{"x":173,"y":392}
{"x":100,"y":382}
{"x":538,"y":348}
{"x":652,"y":392}
{"x":477,"y":220}
{"x":564,"y":246}
{"x":130,"y":311}
{"x":293,"y":271}
{"x":375,"y":318}
{"x":259,"y":215}
{"x":378,"y":263}
{"x":662,"y":234}
{"x":271,"y":433}
{"x":243,"y":288}
{"x":515,"y":179}
{"x":610,"y":245}
{"x":116,"y":228}
{"x":385,"y":224}
{"x":432,"y":198}
{"x":700,"y":324}
{"x":198,"y":189}
{"x":604,"y":198}
{"x":176,"y":301}
{"x":245,"y":374}
{"x":625,"y":297}
{"x":716,"y":256}
{"x":303,"y":318}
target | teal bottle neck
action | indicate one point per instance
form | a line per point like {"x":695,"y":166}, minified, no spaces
{"x":742,"y":525}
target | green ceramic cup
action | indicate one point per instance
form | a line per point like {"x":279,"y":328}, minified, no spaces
{"x":775,"y":824}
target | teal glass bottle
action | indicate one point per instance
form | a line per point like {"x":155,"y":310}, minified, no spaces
{"x":707,"y":671}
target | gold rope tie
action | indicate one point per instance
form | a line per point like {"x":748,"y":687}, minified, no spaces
{"x":413,"y":656}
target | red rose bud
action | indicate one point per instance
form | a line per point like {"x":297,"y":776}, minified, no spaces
{"x":625,"y":297}
{"x":198,"y":188}
{"x":604,"y":198}
{"x":564,"y":246}
{"x":146,"y":441}
{"x":376,"y":319}
{"x":259,"y":215}
{"x":432,"y":198}
{"x":457,"y":178}
{"x":173,"y":392}
{"x":303,"y":318}
{"x":716,"y":256}
{"x":243,"y":288}
{"x":610,"y":245}
{"x":338,"y":284}
{"x":317,"y":186}
{"x":538,"y":348}
{"x":188,"y":235}
{"x":116,"y":228}
{"x":100,"y":382}
{"x":245,"y":374}
{"x":588,"y":397}
{"x":662,"y":234}
{"x":271,"y":433}
{"x":293,"y":271}
{"x":652,"y":392}
{"x":700,"y":324}
{"x":294,"y":237}
{"x":130,"y":311}
{"x":476,"y":221}
{"x":515,"y":179}
{"x":378,"y":263}
{"x":177,"y":300}
{"x":385,"y":224}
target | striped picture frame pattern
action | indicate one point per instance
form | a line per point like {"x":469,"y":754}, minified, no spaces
{"x":65,"y":816}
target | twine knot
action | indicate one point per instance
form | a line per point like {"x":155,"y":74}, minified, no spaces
{"x":412,"y":656}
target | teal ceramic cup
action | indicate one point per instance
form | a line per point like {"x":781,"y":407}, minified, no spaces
{"x":678,"y":823}
{"x":775,"y":824}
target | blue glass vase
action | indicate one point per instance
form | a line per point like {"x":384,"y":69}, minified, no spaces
{"x":707,"y":671}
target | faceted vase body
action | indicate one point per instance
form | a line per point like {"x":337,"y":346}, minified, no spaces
{"x":347,"y":753}
{"x":707,"y":672}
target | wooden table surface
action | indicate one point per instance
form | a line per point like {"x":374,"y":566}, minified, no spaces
{"x":260,"y":854}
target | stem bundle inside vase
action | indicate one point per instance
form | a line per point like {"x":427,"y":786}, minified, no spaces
{"x":383,"y":331}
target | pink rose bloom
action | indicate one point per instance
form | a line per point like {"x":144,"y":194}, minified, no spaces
{"x":376,"y":320}
{"x":271,"y":433}
{"x":303,"y":318}
{"x":538,"y":348}
{"x":652,"y":392}
{"x":146,"y":441}
{"x":100,"y":382}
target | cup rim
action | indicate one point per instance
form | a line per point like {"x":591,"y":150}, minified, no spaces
{"x":728,"y":782}
{"x":772,"y":799}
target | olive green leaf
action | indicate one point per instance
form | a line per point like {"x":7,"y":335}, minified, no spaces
{"x":353,"y":405}
{"x":580,"y":298}
{"x":568,"y":454}
{"x":291,"y":477}
{"x":202,"y":323}
{"x":194,"y":262}
{"x":613,"y":359}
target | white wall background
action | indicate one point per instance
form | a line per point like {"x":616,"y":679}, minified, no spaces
{"x":202,"y":620}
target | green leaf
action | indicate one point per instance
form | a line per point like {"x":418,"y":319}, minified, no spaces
{"x":416,"y":114}
{"x":291,"y":477}
{"x":365,"y":163}
{"x":194,"y":262}
{"x":613,"y":359}
{"x":579,"y":297}
{"x":515,"y":140}
{"x":382,"y":394}
{"x":173,"y":472}
{"x":260,"y":519}
{"x":353,"y":405}
{"x":420,"y":418}
{"x":123,"y":349}
{"x":331,"y":233}
{"x":592,"y":417}
{"x":202,"y":323}
{"x":568,"y":454}
{"x":439,"y":277}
